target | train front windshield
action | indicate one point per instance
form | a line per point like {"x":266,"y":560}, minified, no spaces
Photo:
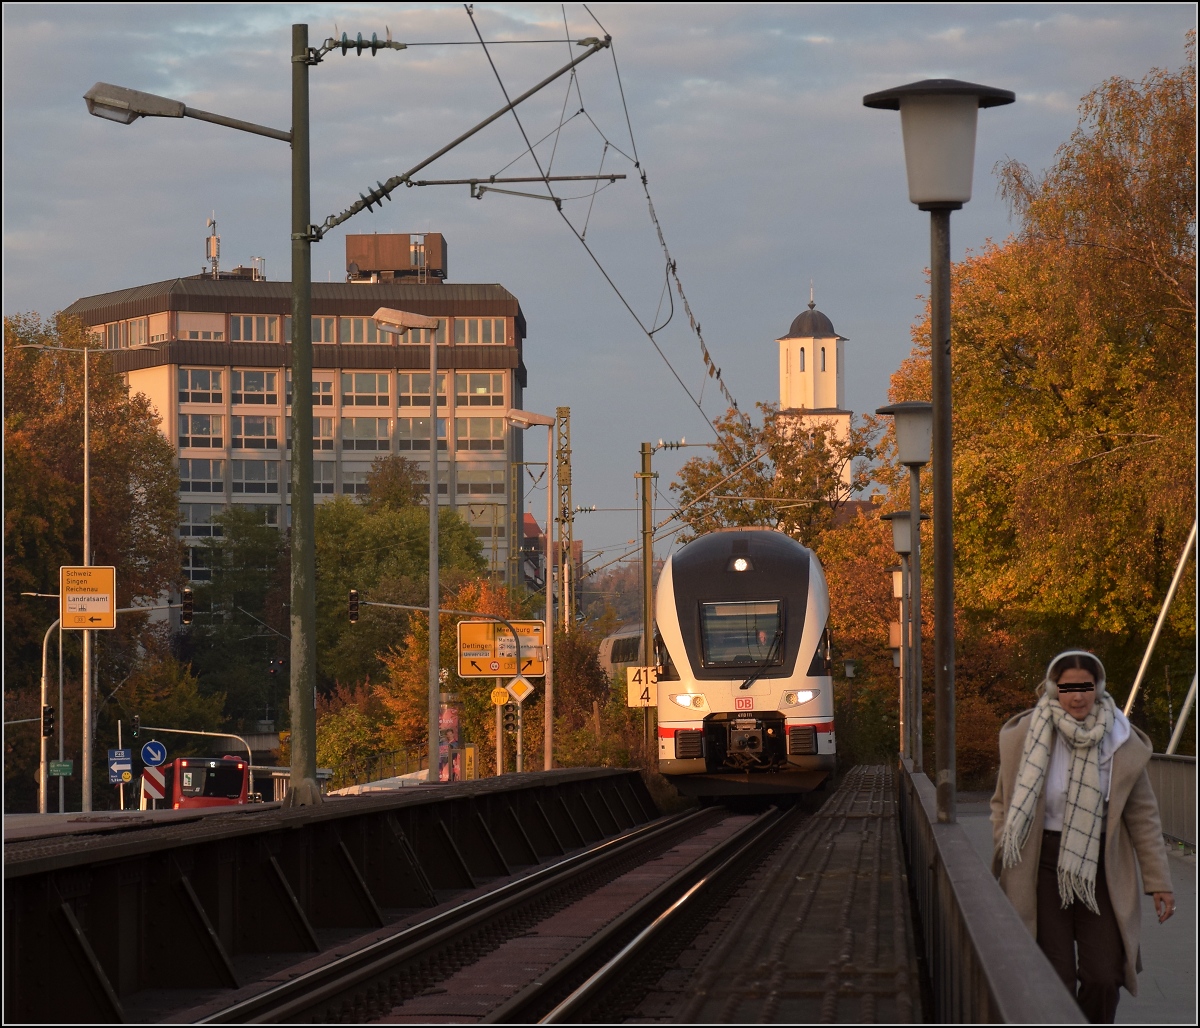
{"x":737,"y":634}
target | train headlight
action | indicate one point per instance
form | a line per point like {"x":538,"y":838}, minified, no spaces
{"x":796,"y":699}
{"x":690,"y":700}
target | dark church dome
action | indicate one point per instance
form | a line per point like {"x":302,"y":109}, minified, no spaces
{"x":810,"y":323}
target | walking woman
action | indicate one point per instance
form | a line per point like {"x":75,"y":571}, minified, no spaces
{"x":1073,"y":820}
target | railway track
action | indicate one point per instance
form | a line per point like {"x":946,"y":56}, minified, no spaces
{"x":372,"y":981}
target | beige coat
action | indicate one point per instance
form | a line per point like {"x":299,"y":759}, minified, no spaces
{"x":1133,"y":828}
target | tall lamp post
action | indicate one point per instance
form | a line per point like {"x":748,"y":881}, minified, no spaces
{"x":907,"y":543}
{"x":914,"y":438}
{"x":527,"y":419}
{"x":938,"y":118}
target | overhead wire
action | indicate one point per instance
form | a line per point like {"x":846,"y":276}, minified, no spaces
{"x":583,"y":242}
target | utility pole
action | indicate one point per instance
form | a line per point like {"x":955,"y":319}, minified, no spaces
{"x":566,"y":520}
{"x":646,"y":475}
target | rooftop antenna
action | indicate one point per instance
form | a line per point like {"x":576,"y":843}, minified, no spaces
{"x":812,"y":303}
{"x":212,"y":246}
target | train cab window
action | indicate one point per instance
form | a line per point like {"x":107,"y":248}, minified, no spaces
{"x":662,"y":656}
{"x":742,"y":633}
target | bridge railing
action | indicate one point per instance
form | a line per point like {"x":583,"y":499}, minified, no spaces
{"x":1174,"y":781}
{"x":984,"y":966}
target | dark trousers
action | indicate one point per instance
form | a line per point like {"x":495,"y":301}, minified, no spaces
{"x":1100,"y":969}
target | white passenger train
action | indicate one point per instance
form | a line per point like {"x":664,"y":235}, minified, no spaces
{"x":745,"y":697}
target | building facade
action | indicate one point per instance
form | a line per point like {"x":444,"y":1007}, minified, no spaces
{"x":213,"y":354}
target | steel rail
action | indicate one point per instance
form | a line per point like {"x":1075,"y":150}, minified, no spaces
{"x":692,"y":881}
{"x":423,"y":940}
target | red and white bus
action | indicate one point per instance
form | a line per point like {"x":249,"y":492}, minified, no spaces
{"x":195,"y":782}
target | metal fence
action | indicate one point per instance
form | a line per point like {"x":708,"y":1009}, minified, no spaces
{"x":983,"y":965}
{"x":1174,"y":781}
{"x":376,"y":767}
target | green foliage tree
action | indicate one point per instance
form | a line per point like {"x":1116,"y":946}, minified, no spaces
{"x":783,"y":473}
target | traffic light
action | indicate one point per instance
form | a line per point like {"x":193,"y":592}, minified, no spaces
{"x":137,"y":724}
{"x":47,"y":722}
{"x":353,"y":606}
{"x":510,"y":718}
{"x":185,"y":612}
{"x":274,"y":667}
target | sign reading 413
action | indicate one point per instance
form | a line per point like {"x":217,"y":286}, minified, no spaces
{"x":642,"y":683}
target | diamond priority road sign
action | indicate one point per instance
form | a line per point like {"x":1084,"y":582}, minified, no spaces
{"x":486,"y":649}
{"x":87,"y":597}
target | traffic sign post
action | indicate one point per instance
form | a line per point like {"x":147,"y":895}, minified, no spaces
{"x":154,"y":785}
{"x":486,"y":649}
{"x":154,"y":753}
{"x":120,"y":767}
{"x":642,"y":686}
{"x":62,"y":768}
{"x":87,"y":597}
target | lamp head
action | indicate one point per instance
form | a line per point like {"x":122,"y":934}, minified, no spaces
{"x":527,"y":419}
{"x":914,"y":430}
{"x":399,"y":322}
{"x":116,"y":103}
{"x":938,"y":118}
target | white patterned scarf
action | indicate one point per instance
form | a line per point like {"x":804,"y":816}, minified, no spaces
{"x":1083,"y":810}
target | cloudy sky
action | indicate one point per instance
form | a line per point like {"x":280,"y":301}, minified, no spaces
{"x":765,"y":170}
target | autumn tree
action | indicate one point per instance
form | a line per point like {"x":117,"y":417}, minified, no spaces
{"x":786,"y":472}
{"x":134,"y":512}
{"x":1074,"y":380}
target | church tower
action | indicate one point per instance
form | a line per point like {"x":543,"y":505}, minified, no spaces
{"x":811,"y":372}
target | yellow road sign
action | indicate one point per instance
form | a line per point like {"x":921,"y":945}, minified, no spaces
{"x":500,"y":696}
{"x":87,"y":597}
{"x":520,"y":689}
{"x":486,"y":649}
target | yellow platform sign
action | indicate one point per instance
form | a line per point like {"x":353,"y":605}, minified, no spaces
{"x":486,"y":649}
{"x":87,"y":597}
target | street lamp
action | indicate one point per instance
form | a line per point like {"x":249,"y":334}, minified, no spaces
{"x":938,"y":118}
{"x":527,"y":419}
{"x":907,"y":543}
{"x":399,"y":322}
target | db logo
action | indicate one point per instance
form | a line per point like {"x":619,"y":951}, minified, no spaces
{"x":743,"y":703}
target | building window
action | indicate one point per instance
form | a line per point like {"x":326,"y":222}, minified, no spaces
{"x":802,"y":358}
{"x":200,"y":430}
{"x":365,"y":434}
{"x":480,"y":483}
{"x":365,"y":389}
{"x":357,"y":330}
{"x":443,"y":485}
{"x":257,"y":387}
{"x":479,"y":434}
{"x":486,"y":519}
{"x":138,"y":334}
{"x":354,"y":482}
{"x":199,"y":385}
{"x":196,"y":566}
{"x":322,"y":330}
{"x":479,"y":331}
{"x":196,"y":520}
{"x":255,"y":433}
{"x":423,"y":336}
{"x":251,"y":328}
{"x":322,"y":391}
{"x":322,"y":433}
{"x":324,"y":472}
{"x":201,"y":476}
{"x":201,"y":326}
{"x":255,"y":476}
{"x":479,"y":390}
{"x":822,"y":358}
{"x":413,"y":390}
{"x":413,"y":433}
{"x":269,"y":512}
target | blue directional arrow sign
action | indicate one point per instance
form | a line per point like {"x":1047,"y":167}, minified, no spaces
{"x":120,"y":766}
{"x":154,"y":753}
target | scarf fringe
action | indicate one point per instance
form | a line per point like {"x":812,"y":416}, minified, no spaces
{"x":1075,"y":884}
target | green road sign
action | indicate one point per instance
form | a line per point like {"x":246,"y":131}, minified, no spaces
{"x":62,"y":768}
